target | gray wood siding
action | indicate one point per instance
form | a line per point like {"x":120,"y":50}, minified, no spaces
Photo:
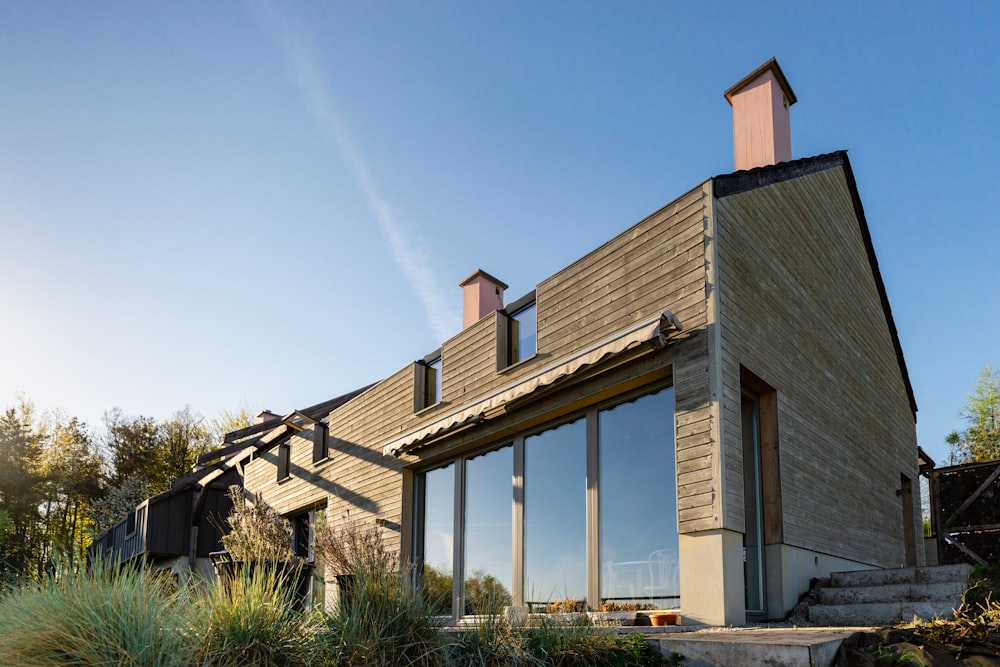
{"x":656,"y":265}
{"x":799,"y":307}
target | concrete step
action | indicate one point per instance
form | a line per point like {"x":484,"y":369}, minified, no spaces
{"x":880,"y":613}
{"x":802,"y":647}
{"x":903,"y":575}
{"x":943,"y":591}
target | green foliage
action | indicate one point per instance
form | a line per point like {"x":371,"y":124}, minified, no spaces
{"x":250,"y":620}
{"x":984,"y":587}
{"x":256,"y":532}
{"x":21,"y":492}
{"x":129,"y":618}
{"x":581,"y":645}
{"x":381,"y":618}
{"x":980,"y":440}
{"x":485,"y":594}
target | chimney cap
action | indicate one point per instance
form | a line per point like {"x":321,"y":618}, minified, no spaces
{"x":479,"y":272}
{"x":772,"y":65}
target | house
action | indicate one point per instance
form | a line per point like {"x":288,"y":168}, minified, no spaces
{"x":176,"y":530}
{"x":703,"y":413}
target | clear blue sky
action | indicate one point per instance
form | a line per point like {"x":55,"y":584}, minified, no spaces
{"x":272,"y":204}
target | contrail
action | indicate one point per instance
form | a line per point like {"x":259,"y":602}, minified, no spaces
{"x":413,"y":260}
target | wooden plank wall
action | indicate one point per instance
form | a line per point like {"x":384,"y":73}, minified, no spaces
{"x":799,"y":308}
{"x":656,"y":265}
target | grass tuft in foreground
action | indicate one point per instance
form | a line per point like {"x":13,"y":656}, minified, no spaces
{"x":128,"y":618}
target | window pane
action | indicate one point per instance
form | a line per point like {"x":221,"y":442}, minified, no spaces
{"x":434,"y":381}
{"x":439,"y":535}
{"x":488,"y":529}
{"x":639,"y":546}
{"x":524,"y":334}
{"x":555,"y":485}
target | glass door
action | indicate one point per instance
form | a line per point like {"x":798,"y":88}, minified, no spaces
{"x":753,"y":542}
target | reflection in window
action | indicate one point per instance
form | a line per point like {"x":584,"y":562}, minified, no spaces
{"x":439,"y":535}
{"x":555,"y":485}
{"x":639,"y":548}
{"x":433,"y":379}
{"x":488,"y":531}
{"x":523,"y":334}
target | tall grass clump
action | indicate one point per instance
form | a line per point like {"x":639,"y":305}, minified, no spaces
{"x":380,"y":619}
{"x":128,"y":618}
{"x":250,"y":619}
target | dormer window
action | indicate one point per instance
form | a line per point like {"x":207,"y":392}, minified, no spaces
{"x":523,"y":334}
{"x":517,"y":332}
{"x":284,"y":461}
{"x":427,"y":382}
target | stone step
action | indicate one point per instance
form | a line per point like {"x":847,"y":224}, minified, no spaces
{"x":880,"y":613}
{"x":948,"y":591}
{"x":802,"y":647}
{"x":903,"y":575}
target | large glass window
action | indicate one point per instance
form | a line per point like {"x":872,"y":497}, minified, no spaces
{"x":531,"y":511}
{"x":488,"y":531}
{"x":639,"y":548}
{"x":439,"y":535}
{"x":555,"y":518}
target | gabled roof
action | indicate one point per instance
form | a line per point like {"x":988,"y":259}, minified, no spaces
{"x":316,"y":412}
{"x":313,"y":412}
{"x":741,"y":181}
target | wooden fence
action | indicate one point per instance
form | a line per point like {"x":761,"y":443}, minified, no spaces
{"x":965,"y":512}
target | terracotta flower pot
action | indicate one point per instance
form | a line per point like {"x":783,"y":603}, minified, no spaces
{"x":662,"y":619}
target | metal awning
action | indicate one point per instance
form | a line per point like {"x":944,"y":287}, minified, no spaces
{"x":654,"y":329}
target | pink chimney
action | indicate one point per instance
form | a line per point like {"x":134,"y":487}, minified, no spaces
{"x":482,"y":295}
{"x":762,"y":133}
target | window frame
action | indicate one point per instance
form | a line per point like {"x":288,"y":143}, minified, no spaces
{"x":428,"y":381}
{"x":508,"y":354}
{"x":592,"y":498}
{"x":284,"y":462}
{"x":320,"y":442}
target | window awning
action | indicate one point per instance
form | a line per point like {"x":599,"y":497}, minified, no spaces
{"x":654,"y":329}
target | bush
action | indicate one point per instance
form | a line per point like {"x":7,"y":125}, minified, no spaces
{"x":128,"y":618}
{"x":381,"y":619}
{"x":250,"y":620}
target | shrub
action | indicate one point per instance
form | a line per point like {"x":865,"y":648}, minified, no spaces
{"x":255,"y":531}
{"x":582,"y":645}
{"x":381,"y":620}
{"x":130,"y":618}
{"x":250,"y":620}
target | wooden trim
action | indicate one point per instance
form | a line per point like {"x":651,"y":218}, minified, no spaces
{"x":770,"y":459}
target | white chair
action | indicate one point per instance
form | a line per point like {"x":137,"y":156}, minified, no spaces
{"x":664,"y":578}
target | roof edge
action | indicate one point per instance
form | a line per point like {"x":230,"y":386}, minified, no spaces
{"x":736,"y":182}
{"x":742,"y":181}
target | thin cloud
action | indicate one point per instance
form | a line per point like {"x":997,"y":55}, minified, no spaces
{"x":413,"y":260}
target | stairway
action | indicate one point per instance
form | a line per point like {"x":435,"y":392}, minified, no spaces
{"x":887,"y":597}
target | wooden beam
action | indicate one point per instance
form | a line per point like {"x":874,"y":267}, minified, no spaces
{"x":975,"y":495}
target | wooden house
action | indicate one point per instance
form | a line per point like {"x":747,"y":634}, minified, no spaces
{"x":176,"y":530}
{"x":702,"y":414}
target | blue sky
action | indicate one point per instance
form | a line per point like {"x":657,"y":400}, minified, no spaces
{"x":218,"y":204}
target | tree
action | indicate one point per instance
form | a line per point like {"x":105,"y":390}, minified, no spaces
{"x":980,"y":441}
{"x":229,"y":421}
{"x":71,"y":473}
{"x":183,"y":438}
{"x":20,"y":490}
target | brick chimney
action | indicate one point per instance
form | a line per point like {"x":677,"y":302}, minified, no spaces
{"x":762,"y":133}
{"x":482,"y":294}
{"x":266,"y":417}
